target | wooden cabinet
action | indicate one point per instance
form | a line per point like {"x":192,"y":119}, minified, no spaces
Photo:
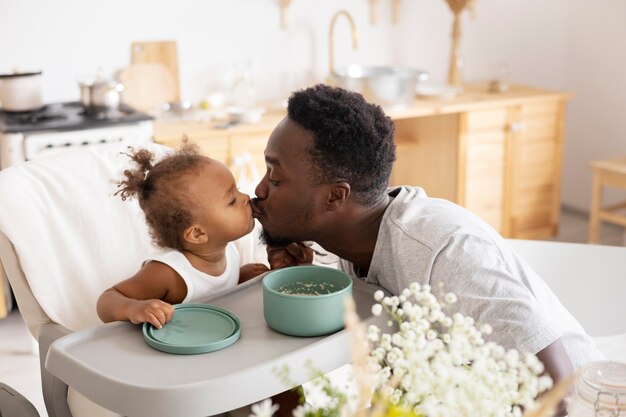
{"x":222,"y":144}
{"x":499,"y":155}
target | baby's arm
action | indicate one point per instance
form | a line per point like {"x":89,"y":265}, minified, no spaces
{"x":145,"y":297}
{"x":249,"y":271}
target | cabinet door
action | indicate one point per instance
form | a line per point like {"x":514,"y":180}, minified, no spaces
{"x":482,"y":164}
{"x":214,"y":145}
{"x":536,"y":145}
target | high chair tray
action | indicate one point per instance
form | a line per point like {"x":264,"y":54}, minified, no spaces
{"x":112,"y":365}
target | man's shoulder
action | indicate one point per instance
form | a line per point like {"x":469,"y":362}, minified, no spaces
{"x":429,"y":220}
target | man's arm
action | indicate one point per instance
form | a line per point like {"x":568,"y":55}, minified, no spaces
{"x":558,"y":366}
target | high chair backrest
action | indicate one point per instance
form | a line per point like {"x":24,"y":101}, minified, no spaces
{"x":72,"y":238}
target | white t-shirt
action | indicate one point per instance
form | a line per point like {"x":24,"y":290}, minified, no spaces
{"x":199,"y":284}
{"x":436,"y":242}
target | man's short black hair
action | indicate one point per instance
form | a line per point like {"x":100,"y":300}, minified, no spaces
{"x":353,"y":138}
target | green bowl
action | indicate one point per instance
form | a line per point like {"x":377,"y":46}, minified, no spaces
{"x":305,"y":300}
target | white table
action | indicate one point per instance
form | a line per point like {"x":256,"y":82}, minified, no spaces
{"x":113,"y":366}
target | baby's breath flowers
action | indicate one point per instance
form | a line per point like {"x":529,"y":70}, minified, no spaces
{"x":436,"y":365}
{"x":429,"y":364}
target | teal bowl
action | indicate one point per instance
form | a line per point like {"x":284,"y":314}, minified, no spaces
{"x":305,"y":300}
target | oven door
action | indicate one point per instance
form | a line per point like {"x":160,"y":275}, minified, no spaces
{"x":40,"y":144}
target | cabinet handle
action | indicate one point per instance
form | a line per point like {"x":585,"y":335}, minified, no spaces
{"x":517,"y":126}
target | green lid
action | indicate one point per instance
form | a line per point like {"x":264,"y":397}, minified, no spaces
{"x":195,"y":328}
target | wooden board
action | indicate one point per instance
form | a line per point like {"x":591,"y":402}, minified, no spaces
{"x":162,"y":52}
{"x":147,"y":86}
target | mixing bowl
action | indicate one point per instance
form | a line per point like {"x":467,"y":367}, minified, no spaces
{"x":305,"y":300}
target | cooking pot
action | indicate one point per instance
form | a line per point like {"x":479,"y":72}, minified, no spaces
{"x":392,"y":86}
{"x":99,"y":95}
{"x":21,"y":91}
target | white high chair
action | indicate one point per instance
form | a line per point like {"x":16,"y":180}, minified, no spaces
{"x":64,"y":238}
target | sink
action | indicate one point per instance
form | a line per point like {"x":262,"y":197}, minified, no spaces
{"x":390,"y":87}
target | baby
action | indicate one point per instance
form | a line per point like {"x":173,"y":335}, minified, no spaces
{"x":194,"y":213}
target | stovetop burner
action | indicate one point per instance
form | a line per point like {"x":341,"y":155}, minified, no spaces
{"x":66,"y":117}
{"x":33,"y":117}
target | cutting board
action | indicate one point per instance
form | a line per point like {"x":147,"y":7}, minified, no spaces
{"x":161,"y":52}
{"x":147,"y":86}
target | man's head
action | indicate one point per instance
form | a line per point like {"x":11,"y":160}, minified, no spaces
{"x":332,"y":149}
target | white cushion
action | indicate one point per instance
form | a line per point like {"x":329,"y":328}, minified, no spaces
{"x":73,"y":237}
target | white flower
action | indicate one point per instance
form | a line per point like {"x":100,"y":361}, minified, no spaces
{"x":379,"y":295}
{"x":450,"y":298}
{"x":377,"y":309}
{"x":486,"y":329}
{"x":264,"y":409}
{"x":437,"y":365}
{"x":302,"y":410}
{"x":440,"y":366}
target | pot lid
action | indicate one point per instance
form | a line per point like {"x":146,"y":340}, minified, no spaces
{"x":20,"y":74}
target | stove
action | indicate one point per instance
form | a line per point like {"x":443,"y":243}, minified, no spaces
{"x":60,"y":126}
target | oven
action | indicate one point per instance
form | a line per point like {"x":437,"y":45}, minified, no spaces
{"x":58,"y":127}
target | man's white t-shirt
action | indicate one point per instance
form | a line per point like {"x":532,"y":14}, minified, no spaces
{"x":436,"y":242}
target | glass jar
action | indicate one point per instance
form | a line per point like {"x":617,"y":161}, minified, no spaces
{"x":600,"y":390}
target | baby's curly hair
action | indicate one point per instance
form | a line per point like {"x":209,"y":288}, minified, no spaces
{"x":157,"y":187}
{"x":353,"y":139}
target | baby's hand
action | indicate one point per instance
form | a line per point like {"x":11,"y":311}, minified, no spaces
{"x":249,"y":271}
{"x":155,"y":312}
{"x":293,"y":254}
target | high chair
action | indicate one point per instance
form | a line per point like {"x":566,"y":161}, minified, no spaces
{"x":65,"y":238}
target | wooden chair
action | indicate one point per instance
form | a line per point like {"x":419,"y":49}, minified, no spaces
{"x":606,"y":173}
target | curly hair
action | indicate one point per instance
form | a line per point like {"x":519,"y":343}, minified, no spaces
{"x":353,"y":139}
{"x":157,"y":187}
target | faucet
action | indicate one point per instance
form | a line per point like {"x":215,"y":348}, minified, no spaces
{"x":331,"y":35}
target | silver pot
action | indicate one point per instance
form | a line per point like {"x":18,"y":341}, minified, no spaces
{"x":386,"y":86}
{"x":100,"y":95}
{"x":21,"y":91}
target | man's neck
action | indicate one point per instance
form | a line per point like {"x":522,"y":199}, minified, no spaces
{"x":354,"y":235}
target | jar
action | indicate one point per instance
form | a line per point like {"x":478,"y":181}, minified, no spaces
{"x":600,"y":390}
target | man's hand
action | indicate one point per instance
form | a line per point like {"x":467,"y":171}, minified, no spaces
{"x":293,"y":254}
{"x":155,"y":312}
{"x":249,"y":271}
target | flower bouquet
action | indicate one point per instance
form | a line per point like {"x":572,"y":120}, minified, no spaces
{"x":428,"y":364}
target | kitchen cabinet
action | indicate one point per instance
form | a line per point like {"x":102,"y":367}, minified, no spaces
{"x":499,"y":155}
{"x":222,"y":144}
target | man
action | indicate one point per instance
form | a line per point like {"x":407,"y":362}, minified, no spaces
{"x":328,"y":167}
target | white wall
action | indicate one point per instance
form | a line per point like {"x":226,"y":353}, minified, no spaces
{"x":574,"y":45}
{"x":596,"y":74}
{"x":70,"y":37}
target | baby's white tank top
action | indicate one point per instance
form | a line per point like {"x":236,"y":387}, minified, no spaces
{"x":199,"y":284}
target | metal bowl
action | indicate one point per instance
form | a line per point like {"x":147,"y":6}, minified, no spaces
{"x":387,"y":86}
{"x":305,"y":300}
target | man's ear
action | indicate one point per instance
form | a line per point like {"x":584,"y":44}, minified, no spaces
{"x":195,"y":234}
{"x":338,"y":195}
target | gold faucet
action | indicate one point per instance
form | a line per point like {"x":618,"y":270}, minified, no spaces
{"x":331,"y":35}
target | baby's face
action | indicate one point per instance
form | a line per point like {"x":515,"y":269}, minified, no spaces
{"x":221,"y":209}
